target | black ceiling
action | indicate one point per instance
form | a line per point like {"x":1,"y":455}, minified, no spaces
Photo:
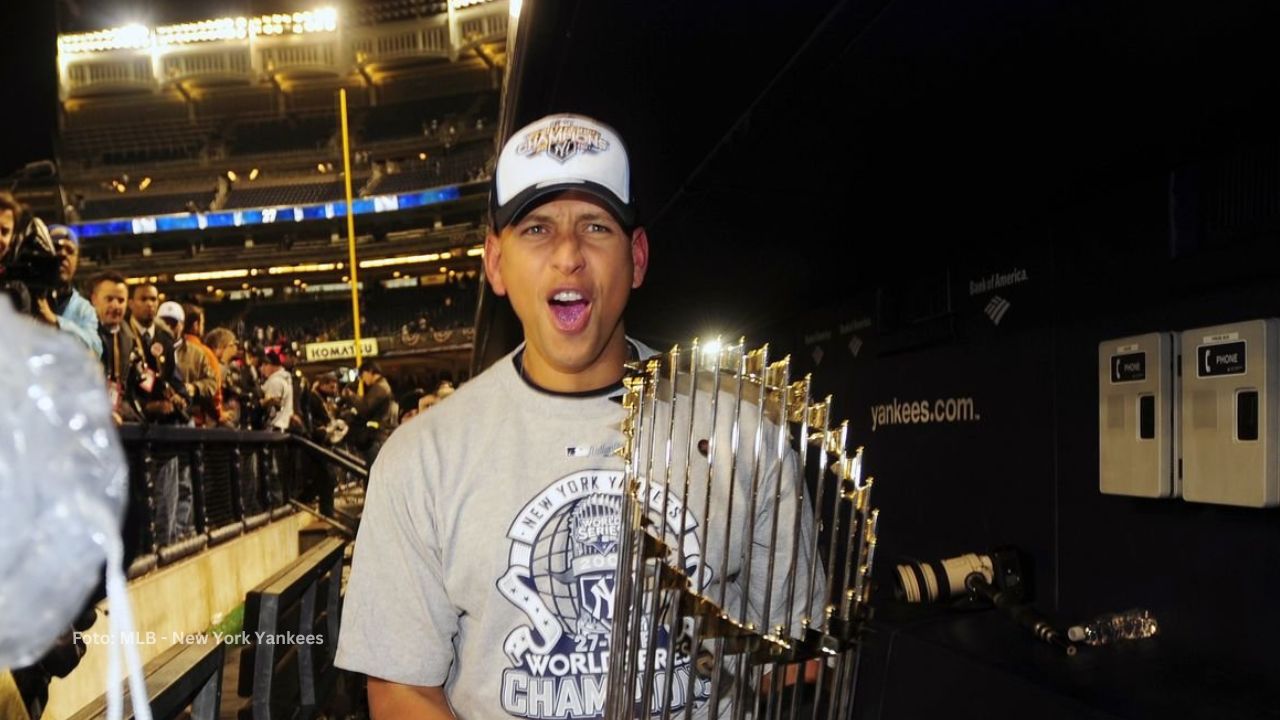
{"x":774,"y":143}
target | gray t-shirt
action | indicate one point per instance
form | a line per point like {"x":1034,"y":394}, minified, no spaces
{"x":485,"y":558}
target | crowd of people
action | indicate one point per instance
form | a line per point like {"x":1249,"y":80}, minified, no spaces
{"x":163,"y":366}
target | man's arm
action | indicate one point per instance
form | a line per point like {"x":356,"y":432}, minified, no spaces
{"x":79,"y":319}
{"x":392,"y":701}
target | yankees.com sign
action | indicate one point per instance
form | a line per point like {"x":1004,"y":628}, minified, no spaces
{"x":923,"y":412}
{"x":341,"y":350}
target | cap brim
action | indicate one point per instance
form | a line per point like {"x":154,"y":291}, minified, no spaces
{"x":530,"y":198}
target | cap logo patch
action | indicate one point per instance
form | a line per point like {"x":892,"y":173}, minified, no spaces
{"x":562,"y":140}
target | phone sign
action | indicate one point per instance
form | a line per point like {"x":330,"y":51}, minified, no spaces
{"x":1130,"y":367}
{"x":1220,"y":359}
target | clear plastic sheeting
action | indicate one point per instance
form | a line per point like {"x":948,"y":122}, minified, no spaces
{"x":63,"y":484}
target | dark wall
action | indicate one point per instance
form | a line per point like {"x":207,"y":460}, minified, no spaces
{"x":1022,"y":468}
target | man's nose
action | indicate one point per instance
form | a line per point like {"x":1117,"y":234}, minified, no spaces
{"x":567,"y":255}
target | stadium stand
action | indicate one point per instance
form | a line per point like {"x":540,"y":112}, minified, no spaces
{"x":145,"y":204}
{"x":281,"y":134}
{"x":296,"y":194}
{"x":457,"y":165}
{"x":398,"y":120}
{"x":271,"y":321}
{"x":396,"y":10}
{"x":136,"y":142}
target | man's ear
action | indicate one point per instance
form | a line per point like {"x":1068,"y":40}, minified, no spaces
{"x":639,"y":256}
{"x":492,"y":270}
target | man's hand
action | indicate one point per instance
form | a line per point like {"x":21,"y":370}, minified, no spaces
{"x":46,"y":312}
{"x":393,"y":701}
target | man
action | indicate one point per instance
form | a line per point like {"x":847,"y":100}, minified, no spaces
{"x":224,"y":346}
{"x":277,"y":401}
{"x":376,"y":410}
{"x":68,"y":309}
{"x":320,"y":413}
{"x":277,"y":392}
{"x":155,"y":342}
{"x":158,"y":332}
{"x":109,"y":296}
{"x":197,"y":363}
{"x":10,"y":211}
{"x":456,"y":603}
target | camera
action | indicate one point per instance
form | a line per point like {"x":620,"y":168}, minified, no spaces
{"x":31,"y":272}
{"x":940,"y":581}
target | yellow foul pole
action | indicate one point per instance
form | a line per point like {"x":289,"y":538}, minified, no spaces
{"x":351,"y":226}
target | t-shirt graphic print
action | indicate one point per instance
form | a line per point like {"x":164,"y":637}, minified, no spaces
{"x":562,"y":575}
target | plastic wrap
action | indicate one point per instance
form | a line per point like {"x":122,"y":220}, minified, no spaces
{"x":63,"y":484}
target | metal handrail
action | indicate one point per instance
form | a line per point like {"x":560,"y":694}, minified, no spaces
{"x":235,"y":481}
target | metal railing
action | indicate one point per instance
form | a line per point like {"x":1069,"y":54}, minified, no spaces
{"x":292,"y":621}
{"x":232,"y":482}
{"x":184,"y":682}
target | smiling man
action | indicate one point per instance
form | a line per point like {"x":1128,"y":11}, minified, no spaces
{"x":451,"y":604}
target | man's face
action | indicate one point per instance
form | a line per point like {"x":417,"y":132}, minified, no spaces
{"x":175,"y":328}
{"x":227,"y":352}
{"x":144,"y":302}
{"x":7,"y":221}
{"x":568,"y":268}
{"x":68,"y":254}
{"x":109,"y":300}
{"x":329,"y":388}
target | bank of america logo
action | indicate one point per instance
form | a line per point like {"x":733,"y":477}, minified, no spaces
{"x":997,"y":308}
{"x":855,"y":345}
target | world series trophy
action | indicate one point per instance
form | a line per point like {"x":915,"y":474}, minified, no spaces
{"x":725,"y":601}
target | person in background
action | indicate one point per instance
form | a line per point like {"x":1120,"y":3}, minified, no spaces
{"x":68,"y":309}
{"x":169,"y":398}
{"x":426,"y":401}
{"x":224,"y":346}
{"x":277,"y":392}
{"x":320,"y":416}
{"x":375,"y":411}
{"x":109,"y":296}
{"x":199,"y":366}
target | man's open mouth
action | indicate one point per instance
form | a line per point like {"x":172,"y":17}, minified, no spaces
{"x":570,"y":310}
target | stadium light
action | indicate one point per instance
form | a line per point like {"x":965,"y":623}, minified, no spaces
{"x":404,"y":260}
{"x":146,"y":183}
{"x":253,"y":174}
{"x":231,"y":175}
{"x":301,"y":268}
{"x":210,"y":275}
{"x":476,"y":251}
{"x":140,"y":37}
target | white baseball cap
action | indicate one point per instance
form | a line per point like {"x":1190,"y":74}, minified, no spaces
{"x":171,"y":310}
{"x":558,"y":153}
